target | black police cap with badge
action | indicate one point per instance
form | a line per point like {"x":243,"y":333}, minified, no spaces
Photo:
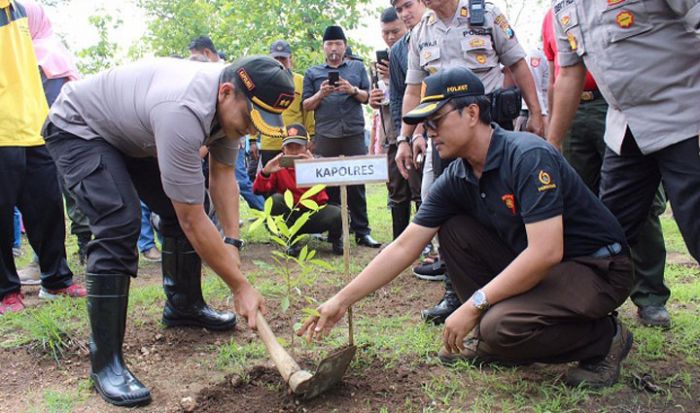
{"x":440,"y":88}
{"x":269,"y":88}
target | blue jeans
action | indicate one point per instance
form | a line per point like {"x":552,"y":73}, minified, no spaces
{"x":18,"y":229}
{"x":246,"y":187}
{"x":146,"y":237}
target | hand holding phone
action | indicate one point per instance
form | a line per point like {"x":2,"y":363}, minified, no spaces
{"x":333,"y":78}
{"x":287,"y":161}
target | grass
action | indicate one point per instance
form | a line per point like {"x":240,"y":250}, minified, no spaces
{"x":396,"y":340}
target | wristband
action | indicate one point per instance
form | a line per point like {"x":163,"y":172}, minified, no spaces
{"x":238,"y":243}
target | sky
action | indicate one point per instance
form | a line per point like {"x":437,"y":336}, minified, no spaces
{"x":71,"y":22}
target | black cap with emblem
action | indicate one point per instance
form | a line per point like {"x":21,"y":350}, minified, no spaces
{"x":439,"y":88}
{"x":269,"y":88}
{"x":280,"y":48}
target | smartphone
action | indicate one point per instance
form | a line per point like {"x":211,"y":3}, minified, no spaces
{"x":382,"y":55}
{"x":333,"y":77}
{"x":287,"y":161}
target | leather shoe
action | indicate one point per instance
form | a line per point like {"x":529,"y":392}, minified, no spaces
{"x":654,"y":316}
{"x":337,"y":246}
{"x":367,"y":241}
{"x":438,"y":314}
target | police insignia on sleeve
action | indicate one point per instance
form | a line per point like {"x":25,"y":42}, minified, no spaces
{"x":546,"y":181}
{"x":464,"y":12}
{"x":502,"y":22}
{"x":535,"y":61}
{"x":572,"y":41}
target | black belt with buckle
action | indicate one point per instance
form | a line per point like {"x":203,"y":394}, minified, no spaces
{"x":608,"y":251}
{"x":589,"y":95}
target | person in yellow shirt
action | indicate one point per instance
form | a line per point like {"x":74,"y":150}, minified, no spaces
{"x":27,"y":173}
{"x":271,"y":146}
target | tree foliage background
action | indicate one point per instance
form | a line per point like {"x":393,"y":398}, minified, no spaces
{"x":244,"y":27}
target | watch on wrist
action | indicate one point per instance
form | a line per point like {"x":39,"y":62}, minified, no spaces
{"x":479,"y":301}
{"x":355,"y":91}
{"x":402,"y":138}
{"x":238,"y":243}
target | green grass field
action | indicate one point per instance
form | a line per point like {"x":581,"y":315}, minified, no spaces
{"x":669,"y":358}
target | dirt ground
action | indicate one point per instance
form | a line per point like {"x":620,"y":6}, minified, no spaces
{"x":179,"y":363}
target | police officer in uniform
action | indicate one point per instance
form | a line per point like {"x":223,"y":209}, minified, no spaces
{"x":652,"y":120}
{"x":537,"y":259}
{"x":453,"y":33}
{"x":135,"y":132}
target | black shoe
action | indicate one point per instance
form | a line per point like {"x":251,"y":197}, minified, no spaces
{"x":367,"y":241}
{"x":294,"y":250}
{"x":438,"y":314}
{"x":654,"y":316}
{"x":337,"y":246}
{"x":185,"y":306}
{"x":434,"y":271}
{"x":108,"y":298}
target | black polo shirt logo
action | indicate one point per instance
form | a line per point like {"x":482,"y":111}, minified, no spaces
{"x":509,"y":200}
{"x":546,"y":182}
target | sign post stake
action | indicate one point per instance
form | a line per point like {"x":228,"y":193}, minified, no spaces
{"x":341,"y":172}
{"x":346,"y":250}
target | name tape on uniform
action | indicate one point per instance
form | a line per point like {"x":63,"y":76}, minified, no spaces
{"x":346,"y":170}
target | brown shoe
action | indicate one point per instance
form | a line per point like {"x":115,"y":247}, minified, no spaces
{"x":606,"y":372}
{"x":152,"y":254}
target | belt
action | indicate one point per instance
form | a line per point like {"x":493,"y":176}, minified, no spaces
{"x":608,"y":251}
{"x":589,"y":95}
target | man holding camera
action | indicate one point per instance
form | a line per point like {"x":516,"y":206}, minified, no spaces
{"x":478,"y":36}
{"x":401,"y":190}
{"x":336,"y":91}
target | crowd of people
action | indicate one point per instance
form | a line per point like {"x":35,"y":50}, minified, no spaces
{"x":539,"y":175}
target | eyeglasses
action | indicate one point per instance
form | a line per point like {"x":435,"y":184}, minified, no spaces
{"x":432,"y":124}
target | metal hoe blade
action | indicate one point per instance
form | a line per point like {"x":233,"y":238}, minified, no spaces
{"x":329,"y":372}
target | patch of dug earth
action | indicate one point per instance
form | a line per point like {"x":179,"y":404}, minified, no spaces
{"x":262,"y":389}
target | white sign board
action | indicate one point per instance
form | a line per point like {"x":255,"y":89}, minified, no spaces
{"x":347,"y":170}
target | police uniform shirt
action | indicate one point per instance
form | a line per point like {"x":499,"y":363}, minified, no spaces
{"x":645,"y":58}
{"x":435,"y":46}
{"x":525,"y":180}
{"x":159,"y":107}
{"x":539,"y":67}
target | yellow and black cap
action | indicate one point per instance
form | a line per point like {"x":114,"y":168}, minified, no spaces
{"x":296,"y":133}
{"x":270,"y":89}
{"x":439,"y":88}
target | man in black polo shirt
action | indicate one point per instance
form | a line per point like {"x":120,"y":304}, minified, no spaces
{"x":537,"y":260}
{"x":340,"y":123}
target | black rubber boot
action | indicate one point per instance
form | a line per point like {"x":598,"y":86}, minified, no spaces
{"x":449,"y":303}
{"x":185,"y":306}
{"x":83,"y":239}
{"x":400,"y":218}
{"x":108,"y":297}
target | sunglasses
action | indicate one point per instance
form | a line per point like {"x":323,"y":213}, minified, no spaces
{"x":432,"y":124}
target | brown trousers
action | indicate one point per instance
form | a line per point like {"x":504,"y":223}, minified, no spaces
{"x":566,"y":317}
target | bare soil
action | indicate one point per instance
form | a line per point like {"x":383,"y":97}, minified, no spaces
{"x":179,"y":363}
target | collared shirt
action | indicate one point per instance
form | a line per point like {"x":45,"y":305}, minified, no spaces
{"x":398,"y":65}
{"x":537,"y":62}
{"x":338,"y":115}
{"x":295,"y":113}
{"x":644,"y":56}
{"x":549,"y":44}
{"x":162,"y":108}
{"x":23,"y":105}
{"x":482,"y":49}
{"x":524,"y":180}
